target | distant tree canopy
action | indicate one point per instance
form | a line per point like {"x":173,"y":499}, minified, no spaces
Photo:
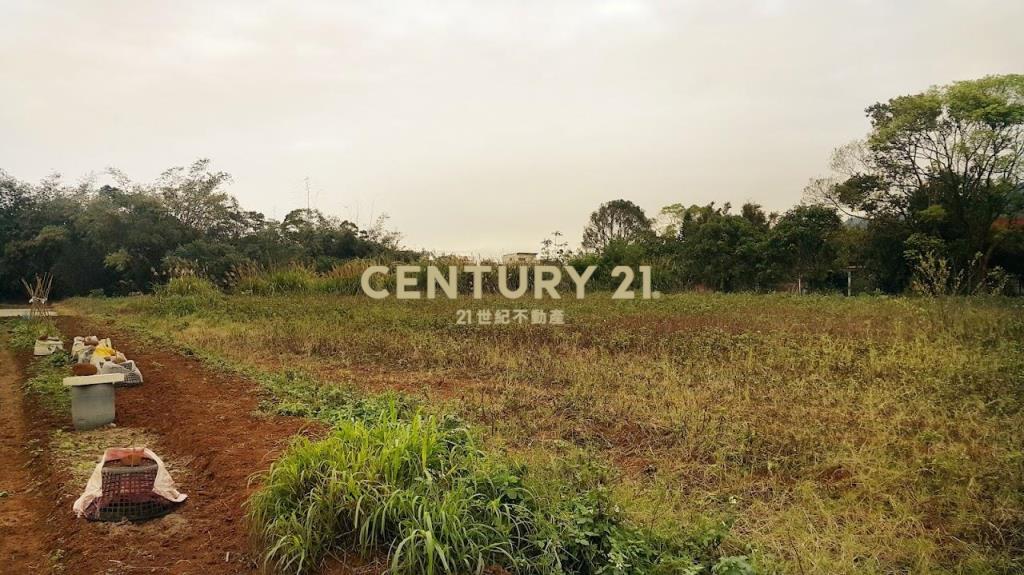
{"x":723,"y":251}
{"x":127,"y":237}
{"x":946,"y":166}
{"x":940,"y":175}
{"x":618,"y":220}
{"x":938,"y":180}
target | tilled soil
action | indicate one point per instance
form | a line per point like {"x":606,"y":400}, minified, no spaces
{"x":205,"y":421}
{"x":24,"y":526}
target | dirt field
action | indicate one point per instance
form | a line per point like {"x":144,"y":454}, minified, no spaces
{"x":204,"y":425}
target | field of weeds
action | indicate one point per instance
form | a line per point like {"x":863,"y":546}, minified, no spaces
{"x":835,"y":435}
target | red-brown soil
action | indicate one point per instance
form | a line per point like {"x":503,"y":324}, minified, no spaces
{"x":21,"y":503}
{"x":205,"y":421}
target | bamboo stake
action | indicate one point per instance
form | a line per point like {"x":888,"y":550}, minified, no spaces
{"x":38,"y":293}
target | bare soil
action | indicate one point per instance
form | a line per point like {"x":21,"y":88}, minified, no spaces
{"x":21,"y":502}
{"x":206,"y":425}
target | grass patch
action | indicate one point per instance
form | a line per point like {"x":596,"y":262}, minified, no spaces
{"x":23,"y":333}
{"x":421,"y":490}
{"x":78,"y":452}
{"x":46,"y":382}
{"x":294,"y":393}
{"x":45,"y":374}
{"x":189,"y":286}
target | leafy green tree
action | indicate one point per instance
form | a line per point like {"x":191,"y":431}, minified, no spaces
{"x":554,"y":248}
{"x":804,"y":243}
{"x":680,"y":217}
{"x":195,"y":196}
{"x":756,"y":215}
{"x":616,"y":220}
{"x":15,"y":201}
{"x":722,"y":250}
{"x":134,"y":231}
{"x":126,"y":238}
{"x":326,"y":240}
{"x":946,"y":161}
{"x":1009,"y":237}
{"x":38,"y":232}
{"x":268,"y":247}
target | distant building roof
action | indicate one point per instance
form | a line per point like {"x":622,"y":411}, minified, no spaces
{"x":1004,"y":222}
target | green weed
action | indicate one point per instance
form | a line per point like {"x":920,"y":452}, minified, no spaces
{"x":46,"y":382}
{"x":419,"y":489}
{"x":23,"y":333}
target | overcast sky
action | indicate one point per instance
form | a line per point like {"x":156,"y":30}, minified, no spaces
{"x":479,"y":127}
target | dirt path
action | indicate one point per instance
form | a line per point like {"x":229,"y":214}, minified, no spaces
{"x":206,"y":422}
{"x":21,"y":550}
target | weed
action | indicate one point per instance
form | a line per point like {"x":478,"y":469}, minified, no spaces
{"x":46,"y":382}
{"x":420,"y":489}
{"x":23,"y":333}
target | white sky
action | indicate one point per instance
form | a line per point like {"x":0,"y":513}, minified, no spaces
{"x":479,"y":127}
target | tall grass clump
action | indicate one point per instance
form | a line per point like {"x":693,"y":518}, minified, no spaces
{"x":420,"y":490}
{"x":256,"y":280}
{"x":191,"y":286}
{"x":414,"y":487}
{"x":345,"y":278}
{"x":187,"y":294}
{"x":249,"y":278}
{"x":291,"y":279}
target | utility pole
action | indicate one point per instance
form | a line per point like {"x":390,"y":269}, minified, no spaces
{"x":849,"y":279}
{"x":307,"y":197}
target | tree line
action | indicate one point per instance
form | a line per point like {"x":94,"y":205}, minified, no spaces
{"x":129,"y":237}
{"x":932,"y":199}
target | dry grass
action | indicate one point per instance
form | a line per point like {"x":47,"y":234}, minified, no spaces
{"x":79,"y":452}
{"x":861,"y":435}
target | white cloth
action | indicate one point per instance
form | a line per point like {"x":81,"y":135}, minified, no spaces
{"x":47,"y":346}
{"x":83,"y":353}
{"x":132,"y":375}
{"x":162,"y":486}
{"x":78,"y":347}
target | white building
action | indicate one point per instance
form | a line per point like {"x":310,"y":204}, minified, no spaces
{"x":519,"y":258}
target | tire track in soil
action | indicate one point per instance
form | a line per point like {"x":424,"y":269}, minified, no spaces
{"x":24,"y":534}
{"x":203,"y":420}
